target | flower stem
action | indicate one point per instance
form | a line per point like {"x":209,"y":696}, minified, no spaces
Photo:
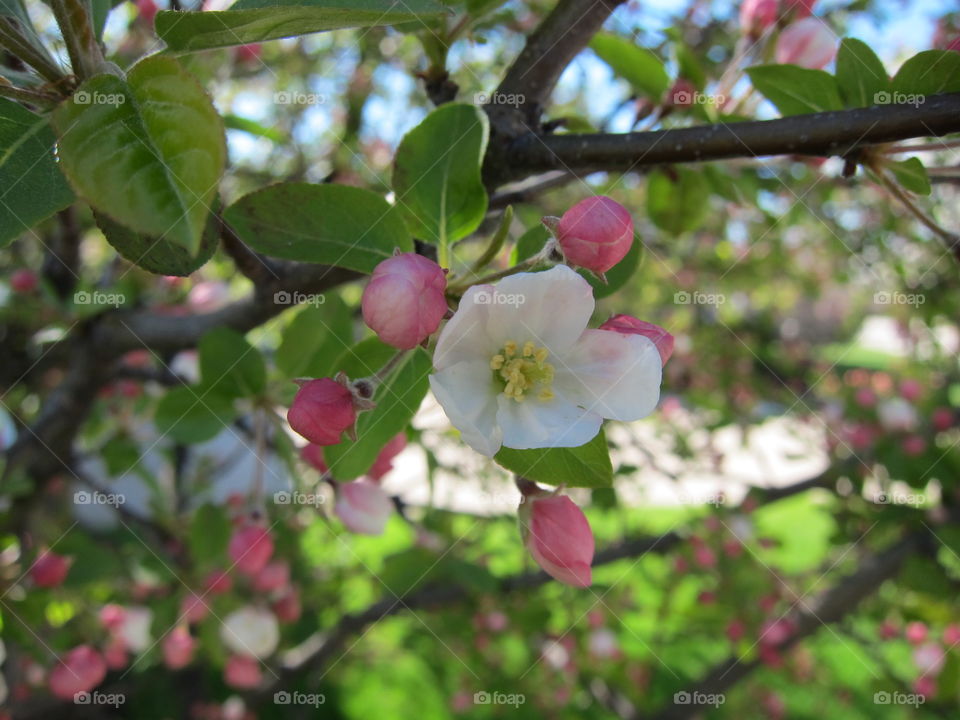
{"x":531,"y":262}
{"x":950,"y":238}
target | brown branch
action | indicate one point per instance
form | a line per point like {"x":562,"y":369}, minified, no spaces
{"x":820,"y":134}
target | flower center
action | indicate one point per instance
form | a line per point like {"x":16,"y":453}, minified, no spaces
{"x":523,"y":371}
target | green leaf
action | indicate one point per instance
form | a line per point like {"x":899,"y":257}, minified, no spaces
{"x":209,"y":535}
{"x":192,"y":415}
{"x":31,"y":186}
{"x":796,"y":90}
{"x":638,"y":66}
{"x":436,"y":175}
{"x":860,"y":74}
{"x":928,"y":73}
{"x":252,"y":127}
{"x":155,"y":255}
{"x":911,"y":174}
{"x":229,"y":365}
{"x":678,"y":204}
{"x":584,"y":466}
{"x":330,"y":224}
{"x":250,"y":21}
{"x":398,"y":399}
{"x":147,"y":151}
{"x":315,"y":338}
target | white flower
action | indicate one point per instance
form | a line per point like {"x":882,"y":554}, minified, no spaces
{"x":516,"y":365}
{"x":136,"y":628}
{"x":250,"y":631}
{"x":897,"y":414}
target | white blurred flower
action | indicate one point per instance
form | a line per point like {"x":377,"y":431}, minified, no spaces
{"x":896,"y":414}
{"x":135,"y":630}
{"x":250,"y":631}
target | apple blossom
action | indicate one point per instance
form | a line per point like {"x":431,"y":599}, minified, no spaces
{"x":115,"y":653}
{"x":942,"y":419}
{"x":757,"y":15}
{"x":929,"y":658}
{"x":405,"y":300}
{"x":595,"y":234}
{"x":559,"y":538}
{"x":287,"y":606}
{"x":916,"y":633}
{"x":530,"y":375}
{"x":242,"y":672}
{"x":49,"y":569}
{"x":178,"y":647}
{"x":896,"y":414}
{"x":322,"y":411}
{"x":384,"y":462}
{"x":250,"y":631}
{"x":112,"y":616}
{"x":218,"y":582}
{"x":910,"y":390}
{"x":951,"y":635}
{"x":809,"y":43}
{"x":273,"y":576}
{"x":914,"y":445}
{"x":135,"y":629}
{"x":24,"y":281}
{"x":193,"y":607}
{"x":312,"y":455}
{"x":251,"y":548}
{"x":736,"y":629}
{"x":776,"y":632}
{"x":363,"y":507}
{"x":602,"y":643}
{"x":925,"y":685}
{"x":79,"y":671}
{"x":629,"y":325}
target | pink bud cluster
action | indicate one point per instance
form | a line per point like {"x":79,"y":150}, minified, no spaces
{"x":756,"y":16}
{"x":558,"y":537}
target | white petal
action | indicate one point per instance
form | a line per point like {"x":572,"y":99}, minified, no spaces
{"x":541,"y":424}
{"x":551,"y":308}
{"x":467,"y":393}
{"x":464,"y":337}
{"x":616,"y":376}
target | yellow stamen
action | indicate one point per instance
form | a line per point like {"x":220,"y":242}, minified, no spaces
{"x":530,"y":372}
{"x":496,"y":362}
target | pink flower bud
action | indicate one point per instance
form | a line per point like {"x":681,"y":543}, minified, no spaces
{"x":242,"y":673}
{"x":178,"y":648}
{"x":865,"y":398}
{"x":404,"y":301}
{"x":706,"y":597}
{"x":193,"y":608}
{"x":363,"y":507}
{"x":595,"y":233}
{"x":147,"y":10}
{"x":775,"y":632}
{"x":704,"y":557}
{"x":115,"y":653}
{"x":910,"y":390}
{"x":312,"y":455}
{"x":629,"y":325}
{"x":384,"y":462}
{"x":942,"y":419}
{"x":681,"y":94}
{"x":888,"y":630}
{"x":49,"y":570}
{"x":736,"y":629}
{"x":112,"y":617}
{"x":559,"y":538}
{"x":914,"y":445}
{"x":926,"y":686}
{"x":798,"y":8}
{"x":808,"y":43}
{"x":273,"y":576}
{"x":757,"y":15}
{"x":732,"y":548}
{"x":250,"y":549}
{"x":287,"y":606}
{"x":602,"y":643}
{"x":322,"y":410}
{"x":218,"y":582}
{"x":80,"y":670}
{"x":24,"y":281}
{"x":247,"y":53}
{"x":929,"y":659}
{"x":951,"y":635}
{"x":916,"y":633}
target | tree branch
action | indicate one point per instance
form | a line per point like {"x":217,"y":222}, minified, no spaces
{"x":820,"y":134}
